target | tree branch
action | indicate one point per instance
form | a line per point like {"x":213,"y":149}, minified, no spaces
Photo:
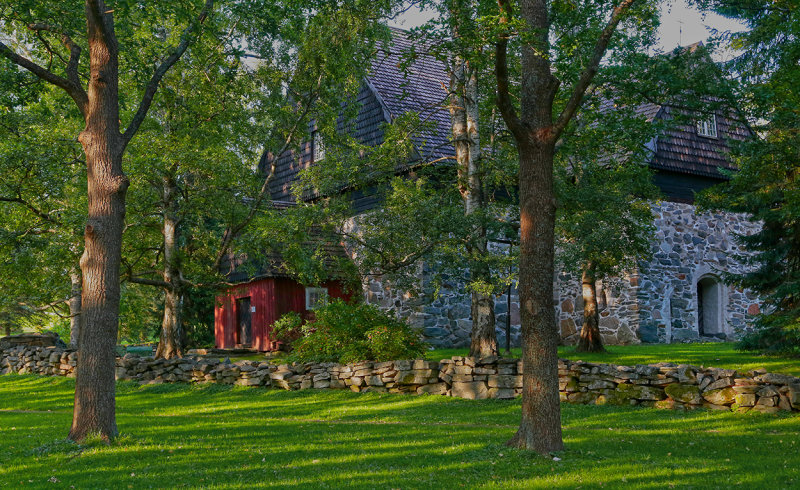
{"x":580,"y":87}
{"x":152,"y":85}
{"x":77,"y":92}
{"x":504,"y":103}
{"x":41,"y":214}
{"x":149,"y":282}
{"x":74,"y":51}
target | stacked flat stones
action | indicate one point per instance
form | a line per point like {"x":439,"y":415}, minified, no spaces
{"x":664,"y":385}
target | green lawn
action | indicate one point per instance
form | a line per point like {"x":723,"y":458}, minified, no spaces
{"x":216,"y":436}
{"x":721,"y":355}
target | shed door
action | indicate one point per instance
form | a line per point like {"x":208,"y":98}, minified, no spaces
{"x":244,"y":329}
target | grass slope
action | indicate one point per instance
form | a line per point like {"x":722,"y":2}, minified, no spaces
{"x":721,"y":355}
{"x":216,"y":436}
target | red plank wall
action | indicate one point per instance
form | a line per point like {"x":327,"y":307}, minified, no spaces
{"x":271,"y":298}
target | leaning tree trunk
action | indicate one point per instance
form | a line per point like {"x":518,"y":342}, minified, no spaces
{"x":94,"y":411}
{"x":171,"y":342}
{"x":590,"y":340}
{"x":464,"y":118}
{"x":74,"y":307}
{"x":540,"y":427}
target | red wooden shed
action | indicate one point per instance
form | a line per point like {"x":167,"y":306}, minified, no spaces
{"x":243,"y":315}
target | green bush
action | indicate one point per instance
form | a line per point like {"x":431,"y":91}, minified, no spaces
{"x":347,"y":332}
{"x":775,"y":333}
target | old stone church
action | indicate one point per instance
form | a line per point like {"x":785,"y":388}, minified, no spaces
{"x":676,"y":296}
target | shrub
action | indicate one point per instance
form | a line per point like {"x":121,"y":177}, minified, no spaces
{"x":347,"y":332}
{"x":775,"y":333}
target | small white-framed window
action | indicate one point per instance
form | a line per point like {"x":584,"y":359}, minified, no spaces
{"x":316,"y":297}
{"x":707,"y":127}
{"x":318,"y":148}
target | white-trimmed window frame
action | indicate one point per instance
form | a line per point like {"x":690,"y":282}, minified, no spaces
{"x":315,"y":297}
{"x":707,"y":127}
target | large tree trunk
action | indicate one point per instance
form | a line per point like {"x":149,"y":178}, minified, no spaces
{"x":590,"y":340}
{"x":540,"y":427}
{"x":466,"y":138}
{"x":94,"y":411}
{"x":171,"y":342}
{"x":75,"y":307}
{"x":536,"y":131}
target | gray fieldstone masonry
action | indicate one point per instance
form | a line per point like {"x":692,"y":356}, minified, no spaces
{"x":663,"y":385}
{"x":677,"y":296}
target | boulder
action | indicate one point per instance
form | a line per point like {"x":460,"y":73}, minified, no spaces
{"x":745,"y":399}
{"x":433,"y":389}
{"x":720,"y":396}
{"x":684,"y":393}
{"x":502,"y":393}
{"x":475,"y":390}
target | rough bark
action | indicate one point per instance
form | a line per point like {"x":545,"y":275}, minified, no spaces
{"x":540,"y":427}
{"x":590,"y":340}
{"x":95,"y":406}
{"x":466,"y":138}
{"x":75,"y":307}
{"x":171,"y":342}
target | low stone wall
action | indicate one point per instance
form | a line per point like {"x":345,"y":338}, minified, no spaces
{"x":663,"y":385}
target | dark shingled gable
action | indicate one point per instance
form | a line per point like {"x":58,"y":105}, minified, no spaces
{"x":680,"y":149}
{"x":390,"y":90}
{"x":419,"y":86}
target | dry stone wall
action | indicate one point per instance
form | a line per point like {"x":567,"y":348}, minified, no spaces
{"x":663,"y":385}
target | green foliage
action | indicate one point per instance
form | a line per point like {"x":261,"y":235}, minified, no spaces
{"x":42,"y":198}
{"x":198,"y":317}
{"x":349,"y":332}
{"x":140,"y":314}
{"x":767,"y":185}
{"x":288,"y":327}
{"x":604,"y":188}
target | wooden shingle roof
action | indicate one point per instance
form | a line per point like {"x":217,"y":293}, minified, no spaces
{"x":403,"y":79}
{"x":681,"y":149}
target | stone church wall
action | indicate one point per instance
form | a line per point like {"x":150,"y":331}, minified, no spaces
{"x":657,"y":302}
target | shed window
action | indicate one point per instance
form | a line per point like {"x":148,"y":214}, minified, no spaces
{"x":318,"y":147}
{"x":316,"y":297}
{"x":707,"y":127}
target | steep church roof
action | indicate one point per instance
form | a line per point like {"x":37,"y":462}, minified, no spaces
{"x":406,"y":78}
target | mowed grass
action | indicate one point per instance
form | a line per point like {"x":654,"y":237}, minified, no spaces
{"x":215,"y":436}
{"x":716,"y":354}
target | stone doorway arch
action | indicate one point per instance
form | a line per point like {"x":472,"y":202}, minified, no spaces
{"x":710,"y":294}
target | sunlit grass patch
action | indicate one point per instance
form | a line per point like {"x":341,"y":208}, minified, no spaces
{"x":214,"y":436}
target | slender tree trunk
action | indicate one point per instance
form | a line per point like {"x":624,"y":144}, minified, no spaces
{"x":171,"y":342}
{"x":540,"y":428}
{"x":466,"y":138}
{"x":8,"y":330}
{"x":95,"y":409}
{"x":75,"y":307}
{"x":590,"y":340}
